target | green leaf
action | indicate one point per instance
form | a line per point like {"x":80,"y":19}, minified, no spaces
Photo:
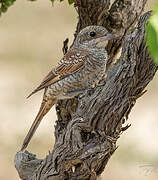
{"x":4,"y":4}
{"x":152,"y":35}
{"x":4,"y":8}
{"x":8,"y":3}
{"x":70,"y":1}
{"x":52,"y":1}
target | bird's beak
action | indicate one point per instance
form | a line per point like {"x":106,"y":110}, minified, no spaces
{"x":108,"y":37}
{"x":103,"y":41}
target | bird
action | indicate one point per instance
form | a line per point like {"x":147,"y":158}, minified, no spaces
{"x":81,"y":68}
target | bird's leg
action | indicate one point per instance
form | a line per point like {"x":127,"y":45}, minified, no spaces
{"x":81,"y":93}
{"x":100,"y":84}
{"x":71,"y":94}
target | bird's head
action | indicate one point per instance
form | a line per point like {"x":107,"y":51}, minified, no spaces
{"x":93,"y":37}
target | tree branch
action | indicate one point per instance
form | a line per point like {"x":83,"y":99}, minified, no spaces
{"x":88,"y":127}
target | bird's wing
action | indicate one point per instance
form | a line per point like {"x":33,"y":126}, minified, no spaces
{"x":71,"y":62}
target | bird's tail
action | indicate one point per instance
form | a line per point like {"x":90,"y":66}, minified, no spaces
{"x":45,"y":107}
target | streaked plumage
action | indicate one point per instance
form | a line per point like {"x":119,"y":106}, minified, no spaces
{"x":81,"y":68}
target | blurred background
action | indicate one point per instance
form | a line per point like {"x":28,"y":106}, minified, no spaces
{"x":31,"y":38}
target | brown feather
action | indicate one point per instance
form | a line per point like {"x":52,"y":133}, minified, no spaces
{"x":65,"y":67}
{"x":45,"y":107}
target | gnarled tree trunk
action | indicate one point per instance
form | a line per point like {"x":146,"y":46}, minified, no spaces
{"x":88,"y":127}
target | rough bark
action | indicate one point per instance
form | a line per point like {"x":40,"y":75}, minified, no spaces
{"x":88,"y":127}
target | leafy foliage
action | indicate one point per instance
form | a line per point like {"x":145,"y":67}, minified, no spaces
{"x":152,"y":35}
{"x":5,"y":4}
{"x":69,"y":1}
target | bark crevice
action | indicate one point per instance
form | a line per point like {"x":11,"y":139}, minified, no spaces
{"x":88,"y":127}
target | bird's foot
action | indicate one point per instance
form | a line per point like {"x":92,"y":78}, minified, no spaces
{"x":72,"y":94}
{"x":100,"y":84}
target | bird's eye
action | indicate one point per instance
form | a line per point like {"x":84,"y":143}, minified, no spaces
{"x":92,"y":34}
